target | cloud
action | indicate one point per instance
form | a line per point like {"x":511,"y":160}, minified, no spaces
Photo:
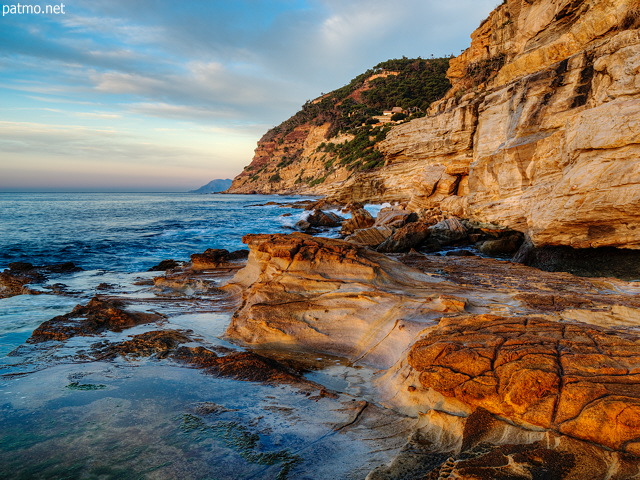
{"x":214,"y":66}
{"x":88,"y":144}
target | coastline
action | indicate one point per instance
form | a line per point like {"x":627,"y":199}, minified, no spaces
{"x":414,"y":338}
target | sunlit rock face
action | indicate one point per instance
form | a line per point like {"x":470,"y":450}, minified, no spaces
{"x":547,"y":142}
{"x":333,"y":296}
{"x":540,"y":132}
{"x":490,"y":356}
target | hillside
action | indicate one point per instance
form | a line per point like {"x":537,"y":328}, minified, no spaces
{"x":540,"y":132}
{"x":334,"y":137}
{"x":214,"y":186}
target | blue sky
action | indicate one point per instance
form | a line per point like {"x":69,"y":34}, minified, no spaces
{"x":156,"y":95}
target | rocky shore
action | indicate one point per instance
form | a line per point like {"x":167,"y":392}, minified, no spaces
{"x":502,"y":370}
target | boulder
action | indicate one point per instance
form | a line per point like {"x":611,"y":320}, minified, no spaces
{"x":372,"y":236}
{"x":447,"y":232}
{"x":395,"y":218}
{"x":213,"y":258}
{"x":505,"y":245}
{"x":164,"y":265}
{"x":412,"y":235}
{"x":320,"y":219}
{"x":360,"y":218}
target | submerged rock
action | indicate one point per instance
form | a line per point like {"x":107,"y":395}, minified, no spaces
{"x":246,"y":366}
{"x":95,"y":317}
{"x":157,"y":343}
{"x":14,"y":280}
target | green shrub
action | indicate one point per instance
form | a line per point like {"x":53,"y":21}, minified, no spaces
{"x":398,"y":116}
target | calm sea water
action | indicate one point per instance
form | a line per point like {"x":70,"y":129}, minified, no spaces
{"x":65,"y":416}
{"x":130,"y":231}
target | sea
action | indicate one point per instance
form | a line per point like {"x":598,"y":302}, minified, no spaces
{"x":66,"y":415}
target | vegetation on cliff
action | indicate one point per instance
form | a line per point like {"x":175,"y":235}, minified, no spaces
{"x":351,"y":120}
{"x":412,"y":84}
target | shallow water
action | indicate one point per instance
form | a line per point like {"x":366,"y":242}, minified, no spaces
{"x":64,"y":415}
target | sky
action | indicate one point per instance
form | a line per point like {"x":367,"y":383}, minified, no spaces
{"x":159,"y":95}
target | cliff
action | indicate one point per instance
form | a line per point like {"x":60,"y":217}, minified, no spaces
{"x":540,"y":131}
{"x":334,"y":137}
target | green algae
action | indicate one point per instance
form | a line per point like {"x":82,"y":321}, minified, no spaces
{"x":240,"y":439}
{"x":85,"y":386}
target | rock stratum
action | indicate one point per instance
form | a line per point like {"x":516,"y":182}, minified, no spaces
{"x":539,"y":132}
{"x":510,"y":371}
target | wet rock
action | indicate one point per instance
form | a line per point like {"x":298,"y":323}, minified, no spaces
{"x":506,"y":245}
{"x":66,"y":267}
{"x":238,"y":255}
{"x":165,"y":265}
{"x":303,"y":226}
{"x":246,"y":366}
{"x":588,"y":262}
{"x":14,"y":280}
{"x":360,"y":218}
{"x":211,"y":408}
{"x":412,"y":235}
{"x":320,"y":219}
{"x":213,"y":258}
{"x":158,"y":343}
{"x":95,"y":317}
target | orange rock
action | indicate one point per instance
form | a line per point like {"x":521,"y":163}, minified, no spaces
{"x":536,"y":373}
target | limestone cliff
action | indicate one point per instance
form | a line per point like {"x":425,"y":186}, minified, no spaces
{"x":540,"y":131}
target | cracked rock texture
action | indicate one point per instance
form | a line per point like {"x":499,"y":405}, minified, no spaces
{"x":511,"y":372}
{"x":579,"y":380}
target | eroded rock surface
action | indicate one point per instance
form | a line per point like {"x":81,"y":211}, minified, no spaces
{"x":576,"y":379}
{"x":15,"y":279}
{"x":551,"y":359}
{"x":96,"y":316}
{"x":332,"y":296}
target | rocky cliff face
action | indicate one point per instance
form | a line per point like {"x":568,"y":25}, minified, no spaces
{"x":540,"y":131}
